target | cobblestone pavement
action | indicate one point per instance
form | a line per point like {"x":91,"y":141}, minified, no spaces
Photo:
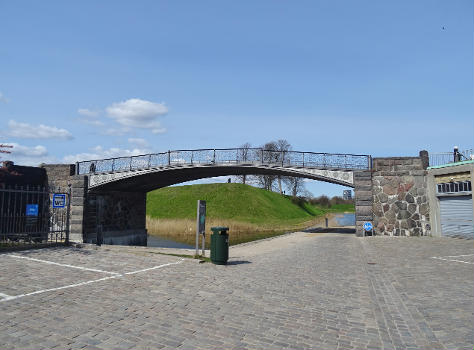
{"x":302,"y":291}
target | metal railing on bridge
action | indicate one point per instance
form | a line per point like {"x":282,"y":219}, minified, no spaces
{"x":443,"y":158}
{"x":226,"y":156}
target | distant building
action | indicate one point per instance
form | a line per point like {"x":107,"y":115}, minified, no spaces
{"x":347,"y":195}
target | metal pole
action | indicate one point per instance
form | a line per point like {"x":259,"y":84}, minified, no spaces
{"x":203,"y":243}
{"x":197,"y":229}
{"x":169,"y":158}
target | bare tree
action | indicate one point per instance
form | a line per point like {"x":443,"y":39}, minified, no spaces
{"x":283,"y":146}
{"x":243,"y":155}
{"x":295,"y":185}
{"x":268,"y":154}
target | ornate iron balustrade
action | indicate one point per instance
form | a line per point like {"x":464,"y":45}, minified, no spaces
{"x":227,"y":156}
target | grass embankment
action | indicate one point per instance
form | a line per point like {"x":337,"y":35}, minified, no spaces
{"x":250,"y":213}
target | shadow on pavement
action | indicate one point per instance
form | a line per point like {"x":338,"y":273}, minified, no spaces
{"x":344,"y":230}
{"x":238,"y":262}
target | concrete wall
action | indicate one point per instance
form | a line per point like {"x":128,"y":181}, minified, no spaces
{"x":443,"y":172}
{"x":400,"y":201}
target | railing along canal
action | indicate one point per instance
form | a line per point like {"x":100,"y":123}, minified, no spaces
{"x":227,"y":156}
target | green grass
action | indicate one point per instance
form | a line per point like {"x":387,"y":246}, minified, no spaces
{"x":233,"y":201}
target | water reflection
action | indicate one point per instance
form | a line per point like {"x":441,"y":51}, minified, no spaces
{"x":347,"y":219}
{"x":156,"y":241}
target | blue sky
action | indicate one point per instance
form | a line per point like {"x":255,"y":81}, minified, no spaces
{"x":86,"y":79}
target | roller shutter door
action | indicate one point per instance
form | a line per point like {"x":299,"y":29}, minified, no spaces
{"x":457,"y":216}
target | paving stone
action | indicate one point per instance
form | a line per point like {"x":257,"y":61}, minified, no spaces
{"x":317,"y":292}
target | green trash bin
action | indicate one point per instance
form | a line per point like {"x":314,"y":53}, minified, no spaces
{"x":219,"y":245}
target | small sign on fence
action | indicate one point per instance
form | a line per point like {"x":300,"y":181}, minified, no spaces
{"x":32,"y":210}
{"x":59,"y":200}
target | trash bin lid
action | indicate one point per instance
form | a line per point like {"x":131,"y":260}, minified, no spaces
{"x":218,"y":229}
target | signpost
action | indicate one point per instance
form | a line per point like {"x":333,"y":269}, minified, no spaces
{"x":201,"y":225}
{"x":59,"y":200}
{"x":368,"y":227}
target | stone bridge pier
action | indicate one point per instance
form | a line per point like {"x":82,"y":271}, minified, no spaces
{"x":120,"y":215}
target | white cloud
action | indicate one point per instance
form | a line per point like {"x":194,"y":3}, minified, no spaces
{"x":25,"y":155}
{"x":115,"y":131}
{"x":3,"y":98}
{"x":99,"y":152}
{"x":139,"y":142}
{"x":28,"y":131}
{"x":93,"y":122}
{"x":158,"y":131}
{"x":137,"y":113}
{"x":88,"y":112}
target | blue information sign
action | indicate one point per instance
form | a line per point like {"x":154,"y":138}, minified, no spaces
{"x":368,"y":226}
{"x":32,"y":210}
{"x":59,"y":200}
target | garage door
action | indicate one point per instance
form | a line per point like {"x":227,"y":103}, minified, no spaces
{"x":457,"y":216}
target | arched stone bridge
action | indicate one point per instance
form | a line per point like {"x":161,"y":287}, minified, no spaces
{"x":151,"y":171}
{"x":109,"y":195}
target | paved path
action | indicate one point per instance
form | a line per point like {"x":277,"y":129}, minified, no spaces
{"x":300,"y":291}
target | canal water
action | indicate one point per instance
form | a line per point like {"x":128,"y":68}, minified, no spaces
{"x":347,"y":219}
{"x":156,"y":241}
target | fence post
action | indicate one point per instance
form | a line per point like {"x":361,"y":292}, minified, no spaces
{"x":214,"y":158}
{"x":149,"y":161}
{"x":113,"y":164}
{"x":303,"y":159}
{"x":131,"y":159}
{"x":169,"y":157}
{"x":262,"y":156}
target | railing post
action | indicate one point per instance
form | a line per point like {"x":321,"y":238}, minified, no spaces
{"x":303,"y":159}
{"x":192,"y":154}
{"x":113,"y":164}
{"x":169,"y":157}
{"x":214,"y":157}
{"x":262,"y":156}
{"x":131,"y":159}
{"x":149,"y":161}
{"x":77,"y":168}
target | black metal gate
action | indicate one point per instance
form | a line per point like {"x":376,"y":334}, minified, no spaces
{"x":33,"y":215}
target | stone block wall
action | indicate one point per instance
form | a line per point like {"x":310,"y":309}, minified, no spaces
{"x":363,"y":199}
{"x":60,"y":177}
{"x":400,"y":203}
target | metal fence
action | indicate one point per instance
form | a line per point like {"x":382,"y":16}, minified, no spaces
{"x":443,"y":158}
{"x":33,"y":215}
{"x":227,"y":156}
